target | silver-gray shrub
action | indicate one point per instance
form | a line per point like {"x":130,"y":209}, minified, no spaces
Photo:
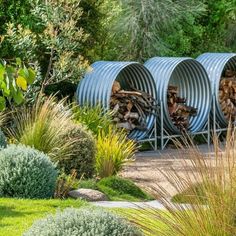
{"x":26,"y":173}
{"x":3,"y":140}
{"x":82,"y":222}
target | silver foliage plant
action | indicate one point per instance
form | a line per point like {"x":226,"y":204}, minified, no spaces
{"x":85,"y":221}
{"x":26,"y":173}
{"x":3,"y":140}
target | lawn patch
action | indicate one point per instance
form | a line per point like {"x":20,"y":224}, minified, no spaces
{"x":17,"y":215}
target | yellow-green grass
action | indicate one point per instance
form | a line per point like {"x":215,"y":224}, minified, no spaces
{"x":143,"y":214}
{"x":17,"y":215}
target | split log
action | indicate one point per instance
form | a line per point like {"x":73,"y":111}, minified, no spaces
{"x":131,"y":108}
{"x":227,"y":94}
{"x":178,"y":110}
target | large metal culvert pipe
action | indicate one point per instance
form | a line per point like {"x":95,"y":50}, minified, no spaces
{"x":193,"y":83}
{"x":96,"y":86}
{"x":215,"y":64}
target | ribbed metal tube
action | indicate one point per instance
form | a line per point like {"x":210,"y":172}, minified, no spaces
{"x":96,"y":86}
{"x":193,"y":84}
{"x":215,"y":64}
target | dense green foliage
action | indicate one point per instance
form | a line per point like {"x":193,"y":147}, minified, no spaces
{"x":172,"y":28}
{"x":117,"y":189}
{"x":14,"y":81}
{"x":3,"y":140}
{"x":92,"y":222}
{"x":17,"y":215}
{"x":26,"y":173}
{"x":95,"y":118}
{"x":112,"y":29}
{"x":15,"y":11}
{"x":82,"y":152}
{"x":56,"y":49}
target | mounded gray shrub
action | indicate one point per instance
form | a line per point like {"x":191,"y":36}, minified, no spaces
{"x":3,"y":140}
{"x":26,"y":173}
{"x":86,"y":222}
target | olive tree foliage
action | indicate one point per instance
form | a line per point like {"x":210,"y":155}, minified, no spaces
{"x":142,"y":24}
{"x":56,"y":48}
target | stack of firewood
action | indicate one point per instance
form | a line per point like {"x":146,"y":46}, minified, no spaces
{"x":227,"y":94}
{"x":130,"y":108}
{"x":178,"y":110}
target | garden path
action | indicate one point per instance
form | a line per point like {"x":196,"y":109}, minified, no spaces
{"x":145,"y":170}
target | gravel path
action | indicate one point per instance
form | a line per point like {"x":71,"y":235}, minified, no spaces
{"x":144,"y":171}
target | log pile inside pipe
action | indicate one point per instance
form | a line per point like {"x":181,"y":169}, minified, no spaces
{"x":130,"y":108}
{"x":227,"y":94}
{"x":178,"y":110}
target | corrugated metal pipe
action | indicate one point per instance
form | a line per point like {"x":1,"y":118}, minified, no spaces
{"x":96,"y":86}
{"x":215,"y":64}
{"x":193,"y":84}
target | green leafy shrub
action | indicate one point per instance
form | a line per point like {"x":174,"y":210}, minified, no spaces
{"x":26,"y":173}
{"x":91,"y":222}
{"x":88,"y":183}
{"x":15,"y":78}
{"x":57,"y":47}
{"x":82,"y":152}
{"x":95,"y":118}
{"x":3,"y":140}
{"x":119,"y":188}
{"x":114,"y":150}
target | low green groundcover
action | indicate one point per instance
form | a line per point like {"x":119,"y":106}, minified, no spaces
{"x":117,"y":189}
{"x":18,"y":215}
{"x":195,"y":193}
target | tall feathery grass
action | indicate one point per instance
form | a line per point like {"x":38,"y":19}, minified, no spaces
{"x":114,"y":150}
{"x":43,"y":127}
{"x":210,"y":212}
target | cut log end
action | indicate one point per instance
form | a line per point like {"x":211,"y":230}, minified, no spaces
{"x":227,"y":94}
{"x":131,"y":108}
{"x":178,"y":110}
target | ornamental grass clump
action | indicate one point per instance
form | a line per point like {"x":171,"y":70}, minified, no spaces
{"x":77,"y":222}
{"x":43,"y":126}
{"x":114,"y":150}
{"x":211,"y":207}
{"x":48,"y":127}
{"x":26,"y":173}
